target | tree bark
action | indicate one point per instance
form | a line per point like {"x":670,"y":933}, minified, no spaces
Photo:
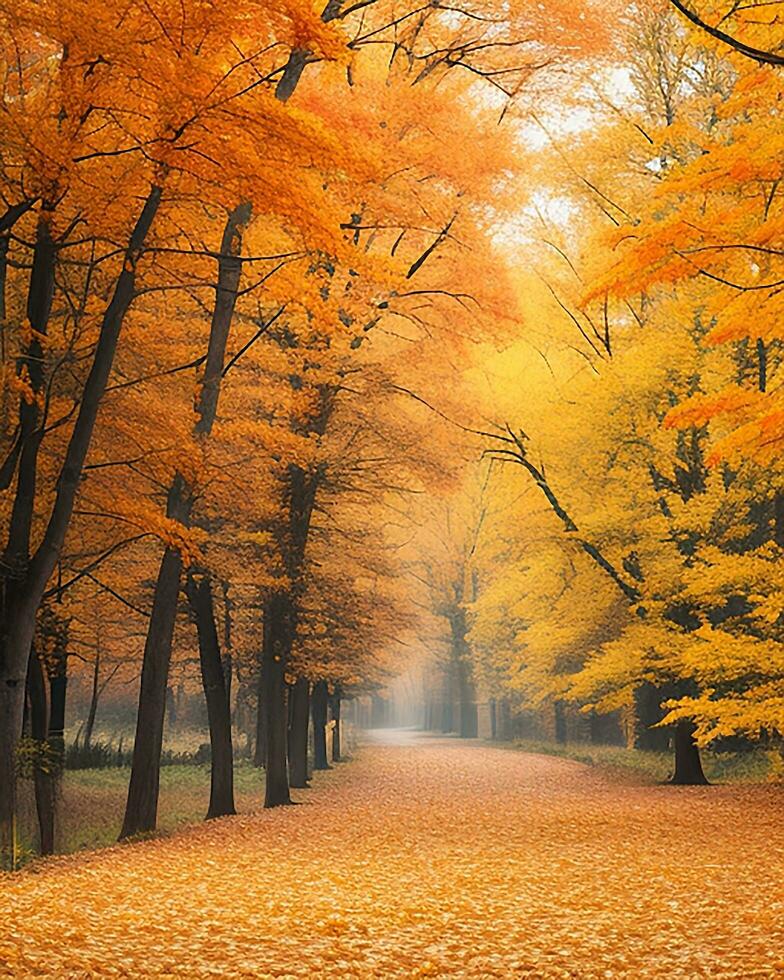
{"x":688,"y":766}
{"x":43,"y":777}
{"x":559,"y":713}
{"x":276,"y":643}
{"x":218,"y":712}
{"x":299,"y":705}
{"x":334,"y":702}
{"x":95,"y":692}
{"x":58,"y":689}
{"x":260,"y":751}
{"x":141,"y":808}
{"x":319,"y":705}
{"x":647,"y":706}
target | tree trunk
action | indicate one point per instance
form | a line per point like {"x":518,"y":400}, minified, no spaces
{"x":276,"y":642}
{"x":299,"y":705}
{"x":561,"y":732}
{"x":647,"y":705}
{"x":141,"y":809}
{"x":260,"y":752}
{"x":334,"y":702}
{"x":319,"y":706}
{"x":58,"y":689}
{"x":228,"y":659}
{"x":447,"y":705}
{"x":688,"y":765}
{"x":90,"y":723}
{"x":43,"y":777}
{"x":214,"y":683}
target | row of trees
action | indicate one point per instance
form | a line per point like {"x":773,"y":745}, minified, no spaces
{"x":233,"y":235}
{"x":620,"y":549}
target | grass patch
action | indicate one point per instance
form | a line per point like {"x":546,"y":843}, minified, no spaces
{"x":92,"y":803}
{"x":755,"y":766}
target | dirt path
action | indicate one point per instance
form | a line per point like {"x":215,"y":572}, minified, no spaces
{"x":427,"y":858}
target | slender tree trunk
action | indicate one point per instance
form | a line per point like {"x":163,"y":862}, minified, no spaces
{"x":468,"y":715}
{"x":218,"y":714}
{"x":335,"y":707}
{"x":561,"y":733}
{"x":22,"y":591}
{"x":319,"y":705}
{"x":228,"y":660}
{"x":58,"y":689}
{"x":141,"y":808}
{"x":688,"y":766}
{"x":447,"y":709}
{"x":276,"y":643}
{"x":43,"y":777}
{"x":260,"y":752}
{"x":299,"y":705}
{"x":95,"y":693}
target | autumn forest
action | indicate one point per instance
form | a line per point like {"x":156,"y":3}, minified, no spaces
{"x":392,"y":558}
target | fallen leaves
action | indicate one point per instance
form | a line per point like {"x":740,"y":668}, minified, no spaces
{"x":434,"y":859}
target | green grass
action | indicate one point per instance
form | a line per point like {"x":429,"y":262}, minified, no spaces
{"x":92,"y":802}
{"x":653,"y":767}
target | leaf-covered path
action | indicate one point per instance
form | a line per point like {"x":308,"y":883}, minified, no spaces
{"x":426,"y":858}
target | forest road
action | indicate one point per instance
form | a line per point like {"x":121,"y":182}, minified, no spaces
{"x":430,"y":857}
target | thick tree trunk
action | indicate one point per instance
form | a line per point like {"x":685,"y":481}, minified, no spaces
{"x":276,"y":643}
{"x":688,"y":765}
{"x":334,"y":702}
{"x":647,"y":705}
{"x":43,"y":777}
{"x":19,"y":629}
{"x":141,"y":809}
{"x":319,"y":705}
{"x":299,"y":711}
{"x":218,"y":713}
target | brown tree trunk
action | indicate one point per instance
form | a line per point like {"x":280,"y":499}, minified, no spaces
{"x":319,"y":704}
{"x":260,"y":751}
{"x":647,"y":706}
{"x":688,"y":766}
{"x":276,"y":644}
{"x":43,"y":777}
{"x":299,"y":705}
{"x":141,"y":808}
{"x":559,"y":713}
{"x":94,"y":694}
{"x":58,"y":689}
{"x":335,"y":708}
{"x":218,"y":711}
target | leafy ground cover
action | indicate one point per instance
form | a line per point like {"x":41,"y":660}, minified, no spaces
{"x":428,"y":858}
